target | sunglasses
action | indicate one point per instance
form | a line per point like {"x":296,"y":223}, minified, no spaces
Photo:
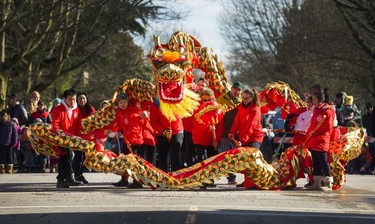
{"x":206,"y":100}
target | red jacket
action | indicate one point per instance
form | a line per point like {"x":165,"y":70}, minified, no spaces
{"x":61,"y":120}
{"x":188,"y":123}
{"x":82,"y":114}
{"x":148,"y":132}
{"x":201,"y":133}
{"x":248,"y":124}
{"x":130,"y":123}
{"x":44,"y":115}
{"x":319,"y":139}
{"x":159,"y":122}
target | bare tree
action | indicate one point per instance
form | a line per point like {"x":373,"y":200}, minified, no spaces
{"x":299,"y":42}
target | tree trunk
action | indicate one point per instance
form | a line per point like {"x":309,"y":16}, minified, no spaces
{"x":3,"y":91}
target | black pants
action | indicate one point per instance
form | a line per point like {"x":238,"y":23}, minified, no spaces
{"x":204,"y":152}
{"x":78,"y":167}
{"x":65,"y":168}
{"x":169,"y":152}
{"x":321,"y":165}
{"x":148,"y":153}
{"x":135,"y":148}
{"x":189,"y":149}
{"x":6,"y":154}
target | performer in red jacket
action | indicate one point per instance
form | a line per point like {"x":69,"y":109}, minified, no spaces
{"x":149,"y":134}
{"x":130,"y":123}
{"x":168,"y":140}
{"x":318,"y":139}
{"x":84,"y":110}
{"x":248,"y":124}
{"x":204,"y":131}
{"x":63,"y":117}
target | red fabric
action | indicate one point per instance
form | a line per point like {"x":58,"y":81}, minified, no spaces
{"x":39,"y":114}
{"x":188,"y":123}
{"x":130,"y":123}
{"x":298,"y":139}
{"x":219,"y":130}
{"x":336,"y":134}
{"x":159,"y":122}
{"x":60,"y":118}
{"x":319,"y":140}
{"x":247,"y":124}
{"x":82,"y":114}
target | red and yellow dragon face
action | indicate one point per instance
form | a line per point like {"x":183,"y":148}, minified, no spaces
{"x":173,"y":64}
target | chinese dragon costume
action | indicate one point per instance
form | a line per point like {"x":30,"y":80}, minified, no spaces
{"x":174,"y":63}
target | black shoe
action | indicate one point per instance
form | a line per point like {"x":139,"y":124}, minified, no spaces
{"x":239,"y":185}
{"x":82,"y":179}
{"x":232,"y":182}
{"x":62,"y":184}
{"x":73,"y":182}
{"x":204,"y":187}
{"x":135,"y":185}
{"x":121,"y":183}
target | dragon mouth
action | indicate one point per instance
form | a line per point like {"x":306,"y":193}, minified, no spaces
{"x":171,"y":92}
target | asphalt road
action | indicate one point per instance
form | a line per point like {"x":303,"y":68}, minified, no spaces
{"x":34,"y":198}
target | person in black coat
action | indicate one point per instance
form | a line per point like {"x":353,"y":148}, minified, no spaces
{"x":17,"y":110}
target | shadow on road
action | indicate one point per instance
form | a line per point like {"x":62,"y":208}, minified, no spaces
{"x":196,"y":217}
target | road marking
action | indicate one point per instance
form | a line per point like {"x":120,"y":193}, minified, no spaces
{"x":193,"y":210}
{"x":192,"y":215}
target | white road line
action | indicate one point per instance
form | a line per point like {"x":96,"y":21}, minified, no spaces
{"x":192,"y":215}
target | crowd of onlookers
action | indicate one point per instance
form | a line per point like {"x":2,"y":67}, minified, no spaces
{"x":170,"y":145}
{"x":15,"y":147}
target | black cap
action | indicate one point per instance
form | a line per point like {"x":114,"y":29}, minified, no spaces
{"x":13,"y":95}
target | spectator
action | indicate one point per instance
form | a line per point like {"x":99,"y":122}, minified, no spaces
{"x":16,"y":148}
{"x":339,"y":102}
{"x":42,"y":113}
{"x":33,"y":106}
{"x":27,"y":151}
{"x":56,"y":102}
{"x":17,"y":110}
{"x":230,"y":100}
{"x":367,"y":118}
{"x":8,"y":138}
{"x":350,"y":110}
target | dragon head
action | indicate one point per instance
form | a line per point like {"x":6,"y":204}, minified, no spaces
{"x":172,"y":65}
